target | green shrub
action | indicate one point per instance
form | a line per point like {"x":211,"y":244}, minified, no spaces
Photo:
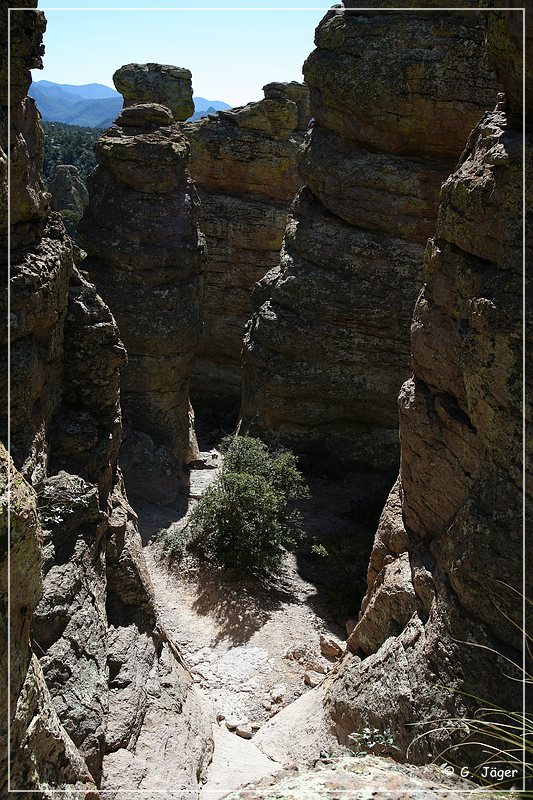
{"x":175,"y":539}
{"x":243,"y":519}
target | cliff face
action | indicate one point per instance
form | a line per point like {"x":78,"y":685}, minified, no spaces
{"x":244,"y":165}
{"x":446,"y":570}
{"x":41,"y":750}
{"x":327,"y":348}
{"x":146,"y":256}
{"x":101,"y":686}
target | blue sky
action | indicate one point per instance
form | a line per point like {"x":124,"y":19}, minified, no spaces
{"x":231,"y":54}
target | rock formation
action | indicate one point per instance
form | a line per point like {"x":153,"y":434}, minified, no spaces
{"x":41,"y":750}
{"x":327,"y":348}
{"x":161,"y":83}
{"x":101,"y":685}
{"x":244,"y":164}
{"x":445,"y":577}
{"x":358,"y":777}
{"x":68,"y":190}
{"x":146,"y":256}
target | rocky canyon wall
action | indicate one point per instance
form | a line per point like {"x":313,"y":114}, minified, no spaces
{"x":441,"y":623}
{"x":393,"y":96}
{"x":243,"y":162}
{"x":146,"y":256}
{"x":100,"y":692}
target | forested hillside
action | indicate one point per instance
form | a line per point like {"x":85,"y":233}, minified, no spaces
{"x":68,"y":144}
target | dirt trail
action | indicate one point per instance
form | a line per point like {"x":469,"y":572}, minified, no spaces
{"x":252,"y":648}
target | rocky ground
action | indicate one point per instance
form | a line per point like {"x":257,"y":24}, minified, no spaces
{"x":253,"y":648}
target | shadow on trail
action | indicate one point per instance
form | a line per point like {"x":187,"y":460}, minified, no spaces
{"x":239,"y":604}
{"x":154,"y":517}
{"x":340,"y":519}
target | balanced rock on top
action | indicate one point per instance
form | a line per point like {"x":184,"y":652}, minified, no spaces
{"x":156,"y":83}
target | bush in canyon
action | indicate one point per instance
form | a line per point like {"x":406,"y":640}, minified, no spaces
{"x":245,"y":518}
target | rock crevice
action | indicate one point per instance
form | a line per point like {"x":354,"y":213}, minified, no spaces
{"x":243,"y":162}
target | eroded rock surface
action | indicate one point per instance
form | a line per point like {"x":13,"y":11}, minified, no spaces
{"x":101,"y":681}
{"x":441,"y":623}
{"x":146,"y":256}
{"x":29,"y":201}
{"x":41,"y":751}
{"x":244,"y":164}
{"x":156,"y":83}
{"x":42,"y":754}
{"x":327,"y":348}
{"x":357,"y":778}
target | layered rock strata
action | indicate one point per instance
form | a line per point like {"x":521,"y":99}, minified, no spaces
{"x":100,"y":687}
{"x":146,"y":256}
{"x":441,"y":624}
{"x":327,"y":348}
{"x":244,"y":164}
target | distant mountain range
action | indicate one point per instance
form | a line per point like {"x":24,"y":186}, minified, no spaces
{"x":94,"y":105}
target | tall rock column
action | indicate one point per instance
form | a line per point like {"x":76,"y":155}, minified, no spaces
{"x":243,"y":162}
{"x":146,"y":256}
{"x":98,"y":693}
{"x":393,"y":96}
{"x":441,"y":624}
{"x":43,"y":756}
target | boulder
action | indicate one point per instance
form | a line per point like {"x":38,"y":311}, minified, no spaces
{"x":156,"y":83}
{"x":358,"y":777}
